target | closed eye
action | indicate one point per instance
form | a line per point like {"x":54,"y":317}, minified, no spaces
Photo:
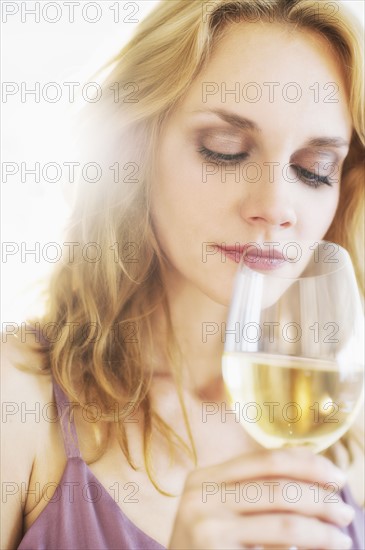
{"x":310,"y":178}
{"x":222,"y":158}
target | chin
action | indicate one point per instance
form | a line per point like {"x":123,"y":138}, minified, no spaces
{"x":218,"y":283}
{"x":220,"y":294}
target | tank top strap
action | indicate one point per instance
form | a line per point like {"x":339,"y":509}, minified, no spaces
{"x":65,"y":415}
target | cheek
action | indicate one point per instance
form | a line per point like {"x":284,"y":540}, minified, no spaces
{"x":318,"y":213}
{"x":174,"y":176}
{"x":181,"y":201}
{"x":176,"y":200}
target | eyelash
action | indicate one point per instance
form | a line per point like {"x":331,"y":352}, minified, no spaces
{"x":314,"y":180}
{"x":221,"y":158}
{"x":311,"y":179}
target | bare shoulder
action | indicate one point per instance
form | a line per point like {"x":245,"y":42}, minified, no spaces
{"x":20,"y":361}
{"x":24,"y":392}
{"x":25,"y":387}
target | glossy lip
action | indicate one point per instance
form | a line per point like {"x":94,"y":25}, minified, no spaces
{"x":254,"y":258}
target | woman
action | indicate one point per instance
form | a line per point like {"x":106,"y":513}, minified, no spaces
{"x":122,"y":336}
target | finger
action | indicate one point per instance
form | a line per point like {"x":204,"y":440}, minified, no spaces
{"x":298,"y":463}
{"x":288,"y":530}
{"x":280,"y":495}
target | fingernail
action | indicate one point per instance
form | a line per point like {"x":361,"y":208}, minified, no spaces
{"x":339,"y":476}
{"x":347,"y":512}
{"x":346,"y":542}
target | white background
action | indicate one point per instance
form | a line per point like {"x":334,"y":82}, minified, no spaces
{"x":42,"y":132}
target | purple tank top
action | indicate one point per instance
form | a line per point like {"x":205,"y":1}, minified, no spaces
{"x":81,"y":515}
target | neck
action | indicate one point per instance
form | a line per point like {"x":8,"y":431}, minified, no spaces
{"x":198,"y":325}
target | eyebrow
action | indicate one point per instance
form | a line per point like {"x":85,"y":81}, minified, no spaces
{"x":247,"y":124}
{"x":232,"y":119}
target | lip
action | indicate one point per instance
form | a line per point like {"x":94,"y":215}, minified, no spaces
{"x":255,"y":257}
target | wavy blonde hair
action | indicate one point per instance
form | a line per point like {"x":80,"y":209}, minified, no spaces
{"x":109,"y":303}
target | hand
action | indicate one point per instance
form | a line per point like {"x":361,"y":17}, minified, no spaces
{"x":246,"y":502}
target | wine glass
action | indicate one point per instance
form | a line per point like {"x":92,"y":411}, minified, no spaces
{"x":294,"y":344}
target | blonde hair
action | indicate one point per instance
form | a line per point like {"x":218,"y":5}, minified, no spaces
{"x":147,"y":79}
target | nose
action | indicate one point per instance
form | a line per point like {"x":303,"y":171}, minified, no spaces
{"x":267,"y":203}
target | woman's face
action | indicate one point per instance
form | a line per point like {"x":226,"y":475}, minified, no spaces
{"x":236,"y":159}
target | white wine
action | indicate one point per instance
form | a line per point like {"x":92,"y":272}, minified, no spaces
{"x":289,"y":401}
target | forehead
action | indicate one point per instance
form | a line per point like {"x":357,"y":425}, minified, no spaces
{"x":271,"y":73}
{"x":273,"y":50}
